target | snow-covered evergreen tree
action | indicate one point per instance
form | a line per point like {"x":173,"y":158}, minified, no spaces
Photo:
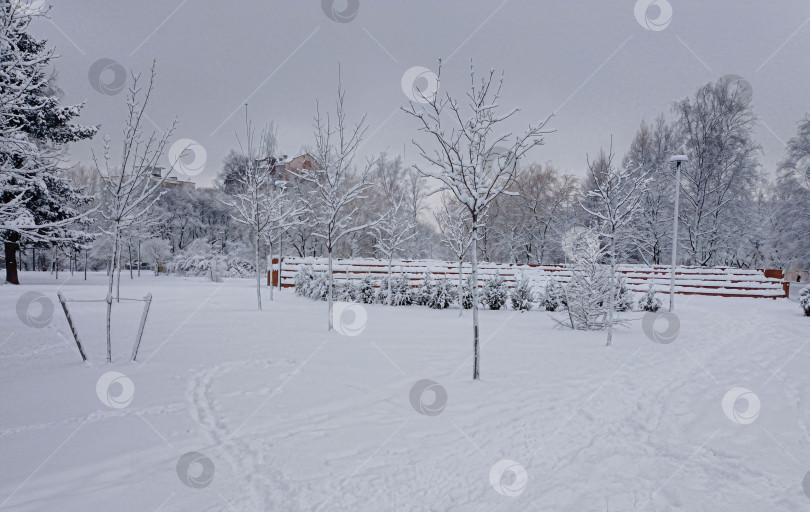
{"x":494,"y":293}
{"x":804,"y":300}
{"x":649,"y":302}
{"x":554,"y":296}
{"x":38,"y":203}
{"x":623,"y":298}
{"x":522,"y":296}
{"x":473,"y":158}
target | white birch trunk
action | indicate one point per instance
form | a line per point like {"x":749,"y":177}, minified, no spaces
{"x":612,"y":288}
{"x":474,"y":265}
{"x":258,"y":273}
{"x":329,"y":293}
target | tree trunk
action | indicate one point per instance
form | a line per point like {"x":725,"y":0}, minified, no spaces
{"x":110,"y":281}
{"x":460,"y":287}
{"x":258,"y":273}
{"x":117,"y":271}
{"x":474,"y":265}
{"x":139,"y":258}
{"x":329,"y":293}
{"x":280,"y":257}
{"x":55,"y":263}
{"x":85,"y":264}
{"x":612,"y":287}
{"x":390,"y":275}
{"x":270,"y":250}
{"x":10,"y":249}
{"x":129,"y":248}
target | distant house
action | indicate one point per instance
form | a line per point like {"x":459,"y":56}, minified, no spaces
{"x":171,"y":181}
{"x":284,"y":170}
{"x":305,"y":161}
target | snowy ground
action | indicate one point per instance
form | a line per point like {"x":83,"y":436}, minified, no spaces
{"x":292,"y":418}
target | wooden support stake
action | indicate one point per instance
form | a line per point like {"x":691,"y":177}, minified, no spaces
{"x":148,"y":300}
{"x":70,"y":323}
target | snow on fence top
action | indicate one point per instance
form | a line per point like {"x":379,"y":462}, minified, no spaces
{"x":715,"y":281}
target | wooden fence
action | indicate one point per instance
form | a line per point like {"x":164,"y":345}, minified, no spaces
{"x":712,"y":281}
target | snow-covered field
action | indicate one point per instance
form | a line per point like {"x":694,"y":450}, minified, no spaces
{"x":290,"y":417}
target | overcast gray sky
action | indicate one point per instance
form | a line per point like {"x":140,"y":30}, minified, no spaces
{"x":595,"y":64}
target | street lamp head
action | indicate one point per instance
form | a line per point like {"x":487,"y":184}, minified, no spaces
{"x":678,"y":158}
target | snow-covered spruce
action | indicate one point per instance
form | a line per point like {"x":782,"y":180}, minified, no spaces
{"x":623,"y":300}
{"x":494,"y":293}
{"x":554,"y":297}
{"x":303,"y":280}
{"x":649,"y":302}
{"x":522,"y":296}
{"x":366,"y":291}
{"x":804,"y":300}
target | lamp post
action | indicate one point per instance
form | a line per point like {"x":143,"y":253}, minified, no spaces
{"x":678,"y":159}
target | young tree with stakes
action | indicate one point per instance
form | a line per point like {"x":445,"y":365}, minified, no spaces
{"x":130,"y":189}
{"x":470,"y":158}
{"x":613,"y":200}
{"x":335,"y":190}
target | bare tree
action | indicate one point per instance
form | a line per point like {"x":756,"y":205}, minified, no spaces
{"x":130,"y":189}
{"x":392,"y":232}
{"x":260,"y":201}
{"x":470,"y":159}
{"x":335,"y":189}
{"x":454,"y":226}
{"x":614,"y":199}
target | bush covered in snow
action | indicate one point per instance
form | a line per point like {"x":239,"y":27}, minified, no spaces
{"x":804,"y":300}
{"x":649,"y":302}
{"x":623,"y":301}
{"x":433,"y":293}
{"x":366,"y":292}
{"x":213,"y":266}
{"x":401,"y":294}
{"x":466,"y":294}
{"x":522,"y":296}
{"x":554,"y":297}
{"x":303,"y":280}
{"x":494,"y":293}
